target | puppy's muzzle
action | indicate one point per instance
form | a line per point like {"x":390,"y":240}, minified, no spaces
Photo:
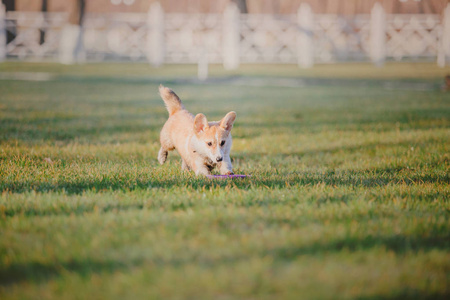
{"x":219,"y":158}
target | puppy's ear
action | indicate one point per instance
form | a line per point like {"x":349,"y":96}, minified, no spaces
{"x":200,"y":123}
{"x":227,"y":122}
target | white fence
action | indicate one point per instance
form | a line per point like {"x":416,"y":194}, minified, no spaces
{"x":231,"y":38}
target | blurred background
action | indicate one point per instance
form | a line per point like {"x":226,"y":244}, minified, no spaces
{"x":228,"y":32}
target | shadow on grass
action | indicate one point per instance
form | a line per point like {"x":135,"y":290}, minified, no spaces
{"x":263,"y":81}
{"x":409,"y":294}
{"x":399,"y":244}
{"x":66,"y":132}
{"x":366,"y":123}
{"x":40,"y":272}
{"x":377,"y":177}
{"x":363,"y":147}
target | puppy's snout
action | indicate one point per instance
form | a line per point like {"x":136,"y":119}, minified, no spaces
{"x":219,"y":158}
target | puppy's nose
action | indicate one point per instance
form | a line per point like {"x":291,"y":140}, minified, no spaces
{"x":219,"y":158}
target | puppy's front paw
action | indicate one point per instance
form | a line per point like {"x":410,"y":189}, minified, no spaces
{"x":229,"y":173}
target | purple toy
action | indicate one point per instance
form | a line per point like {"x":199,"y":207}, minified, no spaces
{"x":227,"y":176}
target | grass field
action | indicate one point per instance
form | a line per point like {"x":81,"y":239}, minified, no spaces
{"x":349,"y":196}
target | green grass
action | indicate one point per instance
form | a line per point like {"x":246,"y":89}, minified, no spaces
{"x":348,"y":199}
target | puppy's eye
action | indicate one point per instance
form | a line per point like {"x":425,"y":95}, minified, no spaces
{"x":222,"y":143}
{"x":209,"y":144}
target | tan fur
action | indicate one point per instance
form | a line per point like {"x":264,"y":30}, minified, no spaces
{"x":171,"y":100}
{"x":190,"y":137}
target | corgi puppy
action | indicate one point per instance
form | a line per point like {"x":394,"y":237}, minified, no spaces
{"x":202,"y":145}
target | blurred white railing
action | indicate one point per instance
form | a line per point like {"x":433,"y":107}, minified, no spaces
{"x":231,"y":38}
{"x":27,"y":29}
{"x":113,"y":36}
{"x":413,"y":35}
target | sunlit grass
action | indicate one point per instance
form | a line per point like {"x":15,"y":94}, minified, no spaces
{"x":348,"y":199}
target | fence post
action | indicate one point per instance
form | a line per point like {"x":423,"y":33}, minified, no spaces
{"x":202,"y":70}
{"x":155,"y":38}
{"x":71,"y":44}
{"x":2,"y":32}
{"x":444,"y":51}
{"x":231,"y":37}
{"x":69,"y":37}
{"x":378,"y":35}
{"x":305,"y":47}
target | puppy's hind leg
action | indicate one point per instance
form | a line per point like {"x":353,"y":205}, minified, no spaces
{"x":162,"y":155}
{"x":166,"y":145}
{"x":184,"y":165}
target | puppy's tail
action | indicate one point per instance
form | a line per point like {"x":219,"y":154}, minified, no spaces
{"x":171,"y":100}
